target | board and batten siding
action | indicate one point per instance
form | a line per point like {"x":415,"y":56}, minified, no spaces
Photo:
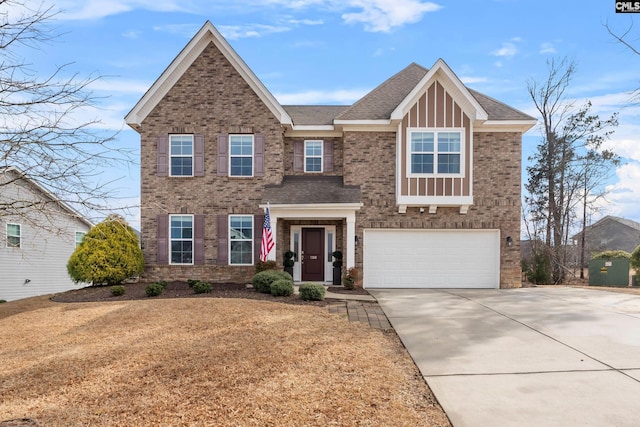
{"x":39,"y":266}
{"x":436,"y":109}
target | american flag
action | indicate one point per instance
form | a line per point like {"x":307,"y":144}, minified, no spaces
{"x":267,"y":238}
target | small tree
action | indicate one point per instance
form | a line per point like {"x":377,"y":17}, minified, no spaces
{"x":108,"y":255}
{"x":635,"y":259}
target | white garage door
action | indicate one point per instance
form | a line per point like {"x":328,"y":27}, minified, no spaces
{"x":431,"y":258}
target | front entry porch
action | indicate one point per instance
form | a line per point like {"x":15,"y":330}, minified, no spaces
{"x":313,"y":233}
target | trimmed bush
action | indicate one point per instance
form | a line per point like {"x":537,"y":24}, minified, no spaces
{"x":192,"y":282}
{"x":282,"y":288}
{"x":262,"y":281}
{"x":612,"y":255}
{"x":312,"y":291}
{"x":162,"y":283}
{"x":635,"y":259}
{"x":154,"y":290}
{"x":202,"y":288}
{"x":265,"y":266}
{"x":109,"y":254}
{"x":2,"y":301}
{"x":118,"y":290}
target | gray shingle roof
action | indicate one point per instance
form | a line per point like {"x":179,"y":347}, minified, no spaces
{"x":297,"y":190}
{"x":383,"y":100}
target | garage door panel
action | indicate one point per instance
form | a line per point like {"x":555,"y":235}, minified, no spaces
{"x":431,"y":258}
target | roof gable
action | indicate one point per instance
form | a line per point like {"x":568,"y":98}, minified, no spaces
{"x":441,"y":72}
{"x":207,"y":34}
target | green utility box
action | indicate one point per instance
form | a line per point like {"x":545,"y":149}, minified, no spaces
{"x":609,"y":272}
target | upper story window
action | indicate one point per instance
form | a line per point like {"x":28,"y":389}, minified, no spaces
{"x":13,"y":236}
{"x":436,"y":152}
{"x":181,"y":152}
{"x":313,"y":156}
{"x":241,"y":239}
{"x":181,"y":239}
{"x":79,"y":237}
{"x":241,"y":155}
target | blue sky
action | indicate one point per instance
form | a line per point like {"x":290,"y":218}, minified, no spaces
{"x":335,"y":51}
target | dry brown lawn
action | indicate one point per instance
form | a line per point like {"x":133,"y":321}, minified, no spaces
{"x":203,"y":362}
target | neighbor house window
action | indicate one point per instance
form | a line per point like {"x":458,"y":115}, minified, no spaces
{"x":79,"y":237}
{"x":181,"y":245}
{"x":313,"y":156}
{"x":436,"y":152}
{"x":181,"y":149}
{"x":13,"y":236}
{"x":241,"y":239}
{"x":241,"y":155}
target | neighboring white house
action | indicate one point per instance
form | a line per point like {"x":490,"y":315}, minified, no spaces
{"x":38,"y":234}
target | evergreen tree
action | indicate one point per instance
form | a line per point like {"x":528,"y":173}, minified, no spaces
{"x":109,"y":254}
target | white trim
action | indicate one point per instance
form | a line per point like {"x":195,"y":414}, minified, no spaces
{"x":378,"y":122}
{"x":22,"y":175}
{"x":253,"y":237}
{"x":206,"y":35}
{"x":253,"y":155}
{"x":84,"y":233}
{"x":441,"y":72}
{"x":521,"y":126}
{"x":442,"y":201}
{"x":182,"y":156}
{"x":170,"y":239}
{"x":435,"y":173}
{"x":318,"y":141}
{"x":19,"y":236}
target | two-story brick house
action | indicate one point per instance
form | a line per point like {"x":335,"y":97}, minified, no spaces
{"x":417,"y":183}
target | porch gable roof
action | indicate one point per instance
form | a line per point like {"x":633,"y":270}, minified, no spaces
{"x":308,"y":190}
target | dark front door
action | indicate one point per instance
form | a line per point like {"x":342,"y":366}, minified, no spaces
{"x":313,"y":254}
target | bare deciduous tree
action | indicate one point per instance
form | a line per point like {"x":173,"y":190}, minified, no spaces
{"x":42,"y":130}
{"x":569,"y":163}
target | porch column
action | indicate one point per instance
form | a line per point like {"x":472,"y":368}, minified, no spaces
{"x":274,"y":233}
{"x":351,"y":237}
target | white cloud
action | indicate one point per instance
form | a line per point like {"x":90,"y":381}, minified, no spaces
{"x":622,"y":197}
{"x":132,"y":34}
{"x":508,"y":49}
{"x":339,"y":97}
{"x":184,"y":30}
{"x":471,"y":80}
{"x":384,"y":15}
{"x":546,"y":48}
{"x":96,"y":9}
{"x":234,"y":32}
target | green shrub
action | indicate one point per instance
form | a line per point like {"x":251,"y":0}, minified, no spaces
{"x":192,"y":282}
{"x":2,"y":301}
{"x":154,"y":289}
{"x":162,"y":283}
{"x":266,"y":266}
{"x":202,"y":288}
{"x":109,"y":254}
{"x":262,"y":281}
{"x":635,"y":259}
{"x":117,"y":290}
{"x":282,"y":288}
{"x":312,"y":291}
{"x":612,"y":255}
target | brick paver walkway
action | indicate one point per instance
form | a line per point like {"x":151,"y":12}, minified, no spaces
{"x":361,"y":311}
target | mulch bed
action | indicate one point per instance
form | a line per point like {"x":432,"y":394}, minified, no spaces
{"x":136,"y":291}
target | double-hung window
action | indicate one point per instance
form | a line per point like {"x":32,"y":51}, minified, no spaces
{"x":241,"y":155}
{"x":436,"y":152}
{"x":241,"y":239}
{"x":313,"y":156}
{"x":13,"y":236}
{"x":79,"y":237}
{"x":181,"y":234}
{"x":181,"y":151}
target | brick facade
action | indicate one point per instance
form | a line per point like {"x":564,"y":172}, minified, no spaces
{"x":212,"y":97}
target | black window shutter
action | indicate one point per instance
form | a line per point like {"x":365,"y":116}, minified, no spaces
{"x":258,"y":221}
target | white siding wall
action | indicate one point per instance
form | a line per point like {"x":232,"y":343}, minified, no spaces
{"x":47,"y":242}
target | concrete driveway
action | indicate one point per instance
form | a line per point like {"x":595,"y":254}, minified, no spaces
{"x":524,"y":357}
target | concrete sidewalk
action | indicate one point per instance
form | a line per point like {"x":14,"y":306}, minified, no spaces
{"x":524,"y":357}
